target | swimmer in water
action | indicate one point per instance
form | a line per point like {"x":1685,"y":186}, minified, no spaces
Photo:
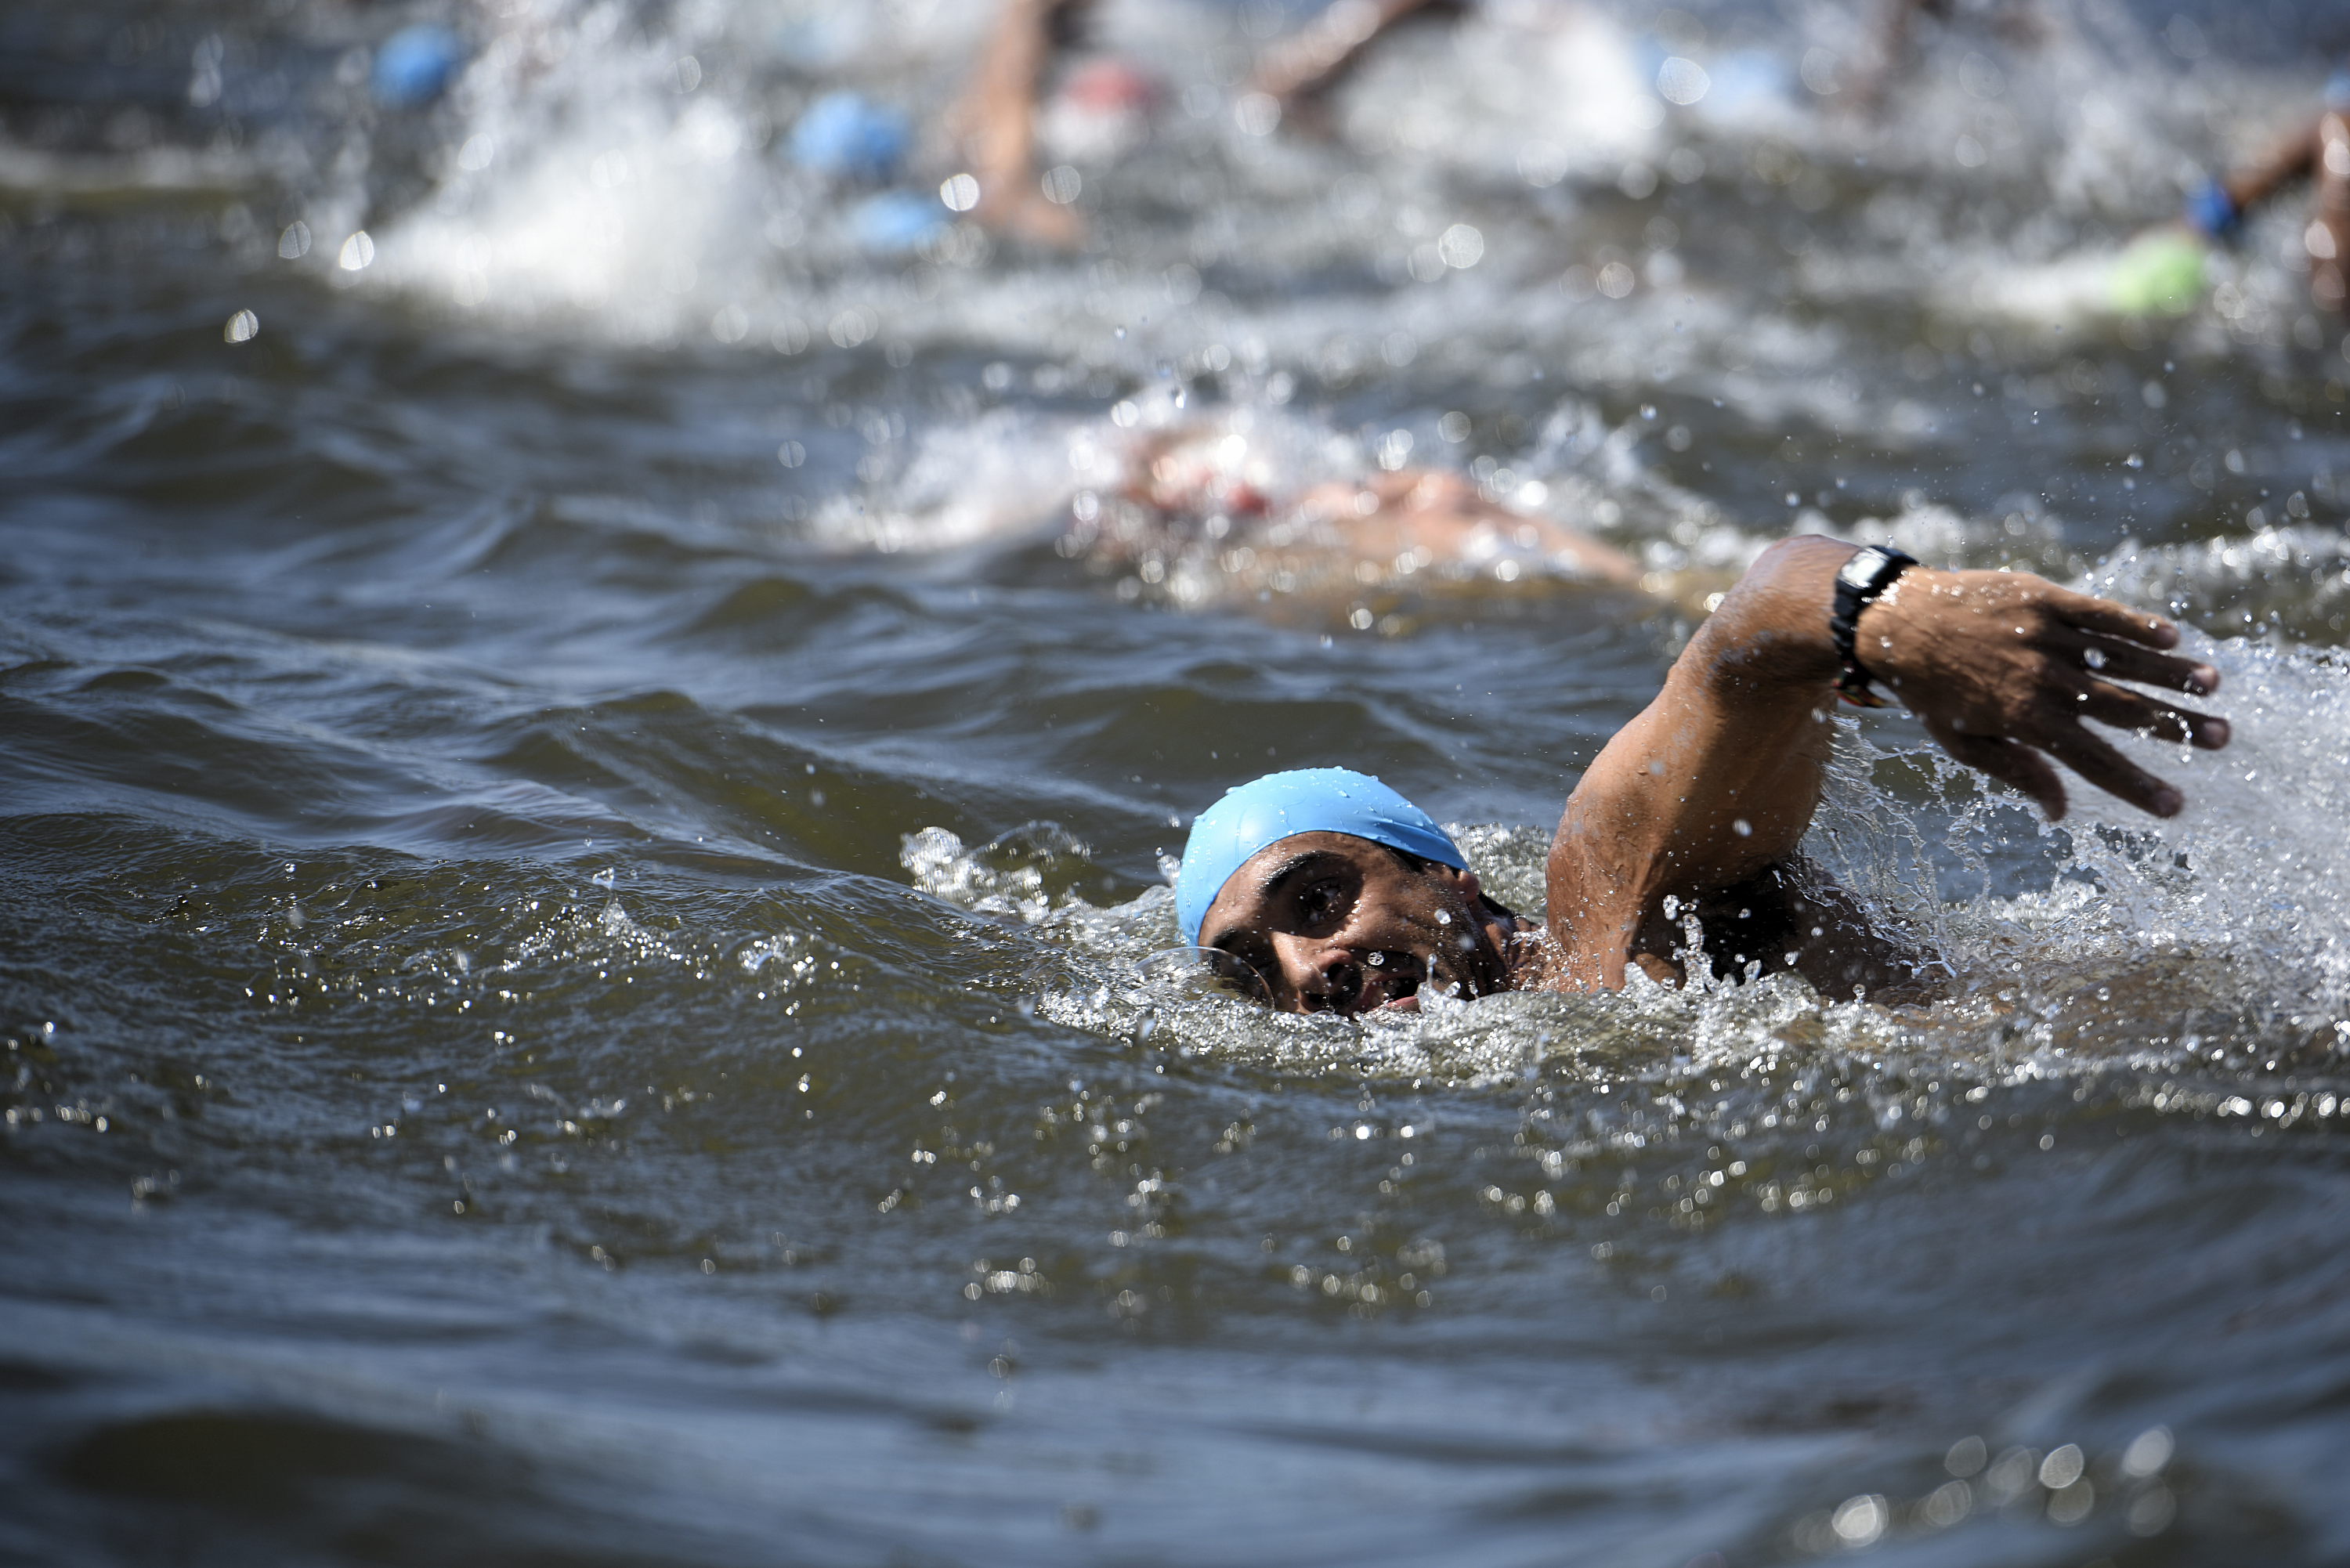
{"x":2319,"y":149}
{"x":1202,"y":474}
{"x":1322,"y":890}
{"x":1201,"y":504}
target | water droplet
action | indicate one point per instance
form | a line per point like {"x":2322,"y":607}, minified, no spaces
{"x":1461,"y":247}
{"x":960,"y":192}
{"x":1859,"y":1520}
{"x":2062,"y":1467}
{"x":1682,"y":81}
{"x":2147,"y":1452}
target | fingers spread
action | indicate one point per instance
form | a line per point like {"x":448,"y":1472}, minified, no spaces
{"x":2119,"y":661}
{"x":2009,"y":761}
{"x":2129,"y":710}
{"x":2107,"y":768}
{"x":2105,"y":616}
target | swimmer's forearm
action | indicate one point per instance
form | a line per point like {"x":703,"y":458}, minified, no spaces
{"x":1325,"y":49}
{"x":996,"y":117}
{"x":2289,"y":159}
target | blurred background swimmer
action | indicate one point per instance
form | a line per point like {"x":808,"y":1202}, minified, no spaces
{"x":1257,"y":509}
{"x":1202,"y":506}
{"x":2318,"y":148}
{"x":2165,"y":270}
{"x":1298,"y":72}
{"x":1607,"y":72}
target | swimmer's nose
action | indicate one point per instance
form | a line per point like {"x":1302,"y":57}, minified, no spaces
{"x":1325,"y":975}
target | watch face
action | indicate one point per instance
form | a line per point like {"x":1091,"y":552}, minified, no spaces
{"x":1863,"y":567}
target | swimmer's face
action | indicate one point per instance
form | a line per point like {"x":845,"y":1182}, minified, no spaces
{"x":1199,"y":473}
{"x":1333,"y":923}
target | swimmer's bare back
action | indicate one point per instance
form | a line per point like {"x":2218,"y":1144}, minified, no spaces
{"x":1442,"y":516}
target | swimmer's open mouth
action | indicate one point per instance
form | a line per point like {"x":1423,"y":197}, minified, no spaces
{"x":1392,"y":984}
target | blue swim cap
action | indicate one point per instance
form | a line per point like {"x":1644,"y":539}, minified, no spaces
{"x":847,"y":136}
{"x":1305,"y":800}
{"x":415,"y":66}
{"x":896,"y":221}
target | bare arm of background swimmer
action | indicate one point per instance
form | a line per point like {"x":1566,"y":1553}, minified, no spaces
{"x":1716,"y":781}
{"x":995,"y":123}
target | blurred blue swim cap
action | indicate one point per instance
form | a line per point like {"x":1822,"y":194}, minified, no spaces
{"x":1304,"y":800}
{"x":848,"y":137}
{"x":896,"y":221}
{"x":415,"y":66}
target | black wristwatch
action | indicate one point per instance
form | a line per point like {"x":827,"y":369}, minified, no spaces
{"x":1869,"y":573}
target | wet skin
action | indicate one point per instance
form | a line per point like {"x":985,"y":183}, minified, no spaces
{"x":1333,"y":923}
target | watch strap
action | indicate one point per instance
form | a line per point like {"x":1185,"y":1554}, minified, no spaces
{"x":1872,"y":569}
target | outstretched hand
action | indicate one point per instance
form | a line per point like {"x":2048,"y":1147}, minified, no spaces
{"x":2004,"y":668}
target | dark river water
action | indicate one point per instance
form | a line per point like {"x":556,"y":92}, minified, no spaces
{"x":582,"y":845}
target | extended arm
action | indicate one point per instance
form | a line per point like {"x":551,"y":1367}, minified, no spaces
{"x":1713,"y":784}
{"x":2289,"y":158}
{"x":2321,"y":151}
{"x":1322,"y":52}
{"x":996,"y":121}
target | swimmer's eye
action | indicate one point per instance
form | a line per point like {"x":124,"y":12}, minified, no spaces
{"x":1321,"y":904}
